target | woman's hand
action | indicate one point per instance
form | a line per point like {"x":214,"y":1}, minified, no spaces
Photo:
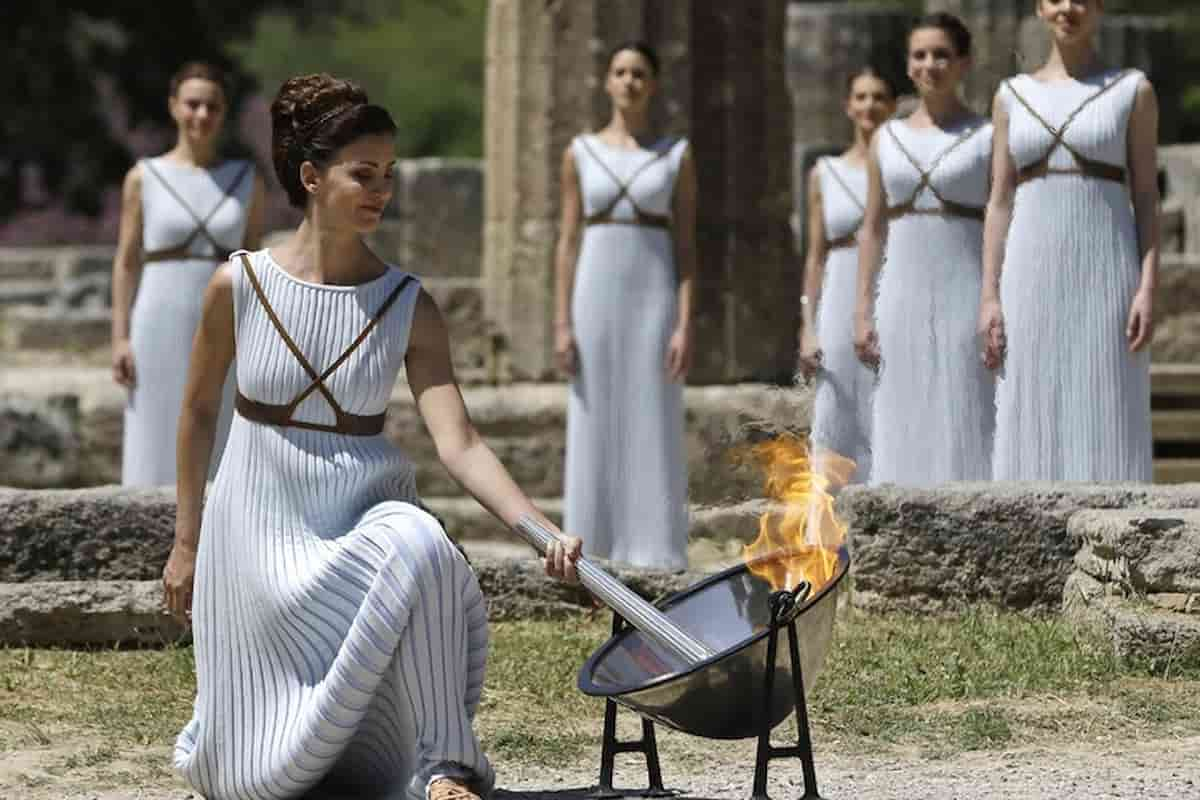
{"x":122,"y":364}
{"x":178,"y":576}
{"x":991,"y":334}
{"x":866,"y":340}
{"x":810,"y":356}
{"x":679,"y":354}
{"x":564,"y":350}
{"x":1140,"y":328}
{"x":561,"y":557}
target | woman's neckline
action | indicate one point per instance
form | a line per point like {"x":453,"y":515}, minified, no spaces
{"x":192,"y":167}
{"x":1085,"y":80}
{"x":334,"y":287}
{"x":960,"y":125}
{"x":845,"y":162}
{"x":639,"y":149}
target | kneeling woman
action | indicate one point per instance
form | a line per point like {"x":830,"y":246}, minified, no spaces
{"x":340,"y":637}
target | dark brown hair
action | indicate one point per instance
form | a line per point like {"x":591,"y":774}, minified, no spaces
{"x":313,"y":117}
{"x":197,"y":69}
{"x":638,"y":46}
{"x":953,"y":27}
{"x":872,"y":71}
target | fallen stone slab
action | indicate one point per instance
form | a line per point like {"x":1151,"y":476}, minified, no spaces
{"x":1004,"y":544}
{"x":98,"y":612}
{"x":1142,"y":551}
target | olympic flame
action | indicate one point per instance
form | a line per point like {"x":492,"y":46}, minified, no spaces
{"x":800,"y":535}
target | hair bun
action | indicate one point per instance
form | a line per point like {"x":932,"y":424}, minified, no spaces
{"x":305,"y":102}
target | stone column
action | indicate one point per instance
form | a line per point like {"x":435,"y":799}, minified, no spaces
{"x":723,"y":85}
{"x":825,"y":43}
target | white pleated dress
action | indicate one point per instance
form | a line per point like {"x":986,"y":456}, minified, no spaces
{"x":340,"y":637}
{"x":1074,"y":403}
{"x":934,"y":411}
{"x":842,"y":404}
{"x":180,"y":205}
{"x":626,"y":477}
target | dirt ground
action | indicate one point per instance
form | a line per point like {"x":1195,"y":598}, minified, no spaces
{"x":1162,"y":768}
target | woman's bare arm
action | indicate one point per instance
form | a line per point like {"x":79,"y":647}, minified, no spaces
{"x":565,"y":255}
{"x":212,"y":353}
{"x":1143,"y":182}
{"x":683,"y":225}
{"x":126,"y":273}
{"x":996,"y":223}
{"x":460,"y":448}
{"x":871,"y":238}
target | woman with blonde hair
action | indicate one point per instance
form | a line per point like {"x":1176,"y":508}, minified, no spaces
{"x":182,"y":213}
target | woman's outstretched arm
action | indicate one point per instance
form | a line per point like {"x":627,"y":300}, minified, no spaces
{"x":212,"y":353}
{"x":460,"y":448}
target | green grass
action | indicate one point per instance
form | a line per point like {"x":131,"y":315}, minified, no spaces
{"x":980,"y":681}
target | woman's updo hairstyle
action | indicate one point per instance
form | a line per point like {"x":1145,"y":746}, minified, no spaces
{"x":638,"y":46}
{"x":197,"y":69}
{"x":313,"y":117}
{"x":954,"y":27}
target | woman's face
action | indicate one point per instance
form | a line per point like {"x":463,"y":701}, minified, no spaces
{"x":934,"y":64}
{"x":198,"y":108}
{"x":1071,"y":21}
{"x":355,"y":187}
{"x":869,"y":103}
{"x":630,"y":82}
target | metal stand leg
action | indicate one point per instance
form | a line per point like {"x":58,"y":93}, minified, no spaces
{"x":610,"y":746}
{"x":803,"y":749}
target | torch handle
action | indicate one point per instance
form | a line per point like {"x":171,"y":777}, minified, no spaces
{"x":653,"y":624}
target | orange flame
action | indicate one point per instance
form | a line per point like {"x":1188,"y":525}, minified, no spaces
{"x":800,"y":540}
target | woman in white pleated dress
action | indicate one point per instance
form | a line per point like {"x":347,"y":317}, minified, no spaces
{"x":927,"y":186}
{"x":837,"y":198}
{"x":625,"y":266}
{"x":340,"y":637}
{"x":181,"y":215}
{"x":1071,"y":262}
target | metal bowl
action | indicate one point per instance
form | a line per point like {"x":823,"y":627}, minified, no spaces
{"x":720,"y":697}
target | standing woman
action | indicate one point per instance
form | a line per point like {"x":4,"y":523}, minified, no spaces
{"x":181,"y":215}
{"x":927,"y":186}
{"x":1072,"y":261}
{"x":625,"y":263}
{"x":837,"y":199}
{"x":340,"y":636}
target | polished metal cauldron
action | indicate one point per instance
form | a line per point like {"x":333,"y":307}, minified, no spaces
{"x":719,"y":697}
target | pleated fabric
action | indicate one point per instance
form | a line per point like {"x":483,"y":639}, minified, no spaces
{"x":625,"y":480}
{"x":340,"y":637}
{"x":1073,"y":403}
{"x":844,"y":386}
{"x":934,"y":402}
{"x":166,"y":307}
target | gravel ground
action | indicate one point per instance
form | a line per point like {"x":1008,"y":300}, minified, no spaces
{"x":1165,"y":769}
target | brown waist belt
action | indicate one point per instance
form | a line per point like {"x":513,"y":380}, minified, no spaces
{"x":281,"y":417}
{"x":1088,"y":169}
{"x":946,"y":209}
{"x":841,"y":242}
{"x":643,"y":220}
{"x":182,"y":254}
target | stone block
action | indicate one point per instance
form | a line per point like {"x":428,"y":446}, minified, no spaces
{"x":1164,"y":640}
{"x":49,"y":328}
{"x":1177,"y":340}
{"x":1140,"y":551}
{"x":1002,"y":544}
{"x":439,"y":205}
{"x":39,"y":443}
{"x":26,"y":264}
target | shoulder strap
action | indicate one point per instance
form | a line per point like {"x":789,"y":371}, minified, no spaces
{"x":202,"y":223}
{"x":842,"y":183}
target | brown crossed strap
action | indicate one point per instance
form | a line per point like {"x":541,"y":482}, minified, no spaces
{"x":1088,"y":167}
{"x":283,"y":415}
{"x":947,"y":208}
{"x":850,"y":239}
{"x":181,"y":250}
{"x":605,"y":217}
